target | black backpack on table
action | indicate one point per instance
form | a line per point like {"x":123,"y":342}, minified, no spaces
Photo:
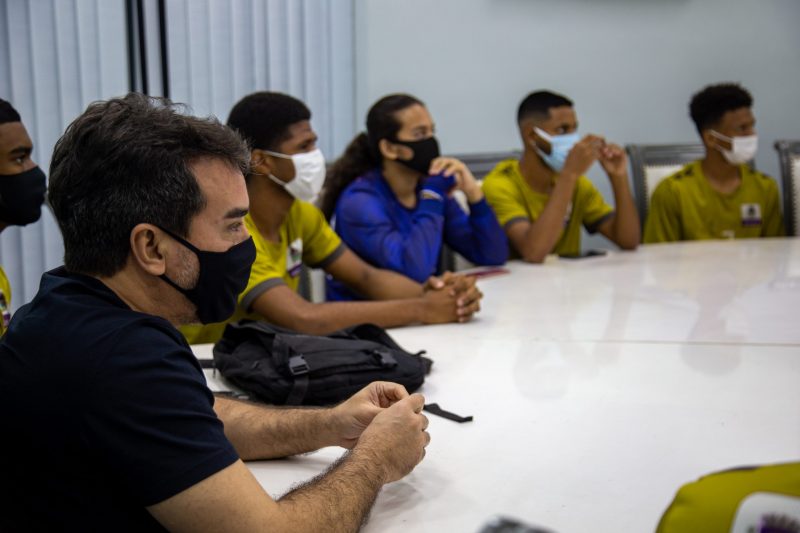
{"x":283,"y":367}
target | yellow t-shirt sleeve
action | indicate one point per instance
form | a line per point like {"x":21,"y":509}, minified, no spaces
{"x":270,"y":268}
{"x":265,"y":268}
{"x":320,"y":242}
{"x":594,"y":207}
{"x":663,"y":218}
{"x":5,"y":301}
{"x":773,"y":223}
{"x":504,"y":199}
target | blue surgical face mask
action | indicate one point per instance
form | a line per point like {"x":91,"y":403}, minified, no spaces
{"x":560,"y":145}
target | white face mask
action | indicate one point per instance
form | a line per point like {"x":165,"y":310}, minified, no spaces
{"x":309,"y":174}
{"x":743,"y":148}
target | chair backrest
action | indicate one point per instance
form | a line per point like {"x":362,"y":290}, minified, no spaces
{"x":789,"y":155}
{"x":483,"y":163}
{"x":651,"y":163}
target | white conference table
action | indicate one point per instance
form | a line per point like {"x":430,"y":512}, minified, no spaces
{"x":599,"y":386}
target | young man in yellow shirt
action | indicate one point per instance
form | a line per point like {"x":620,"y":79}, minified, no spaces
{"x":542,"y":199}
{"x":720,"y":196}
{"x":286,"y":174}
{"x":22,"y":188}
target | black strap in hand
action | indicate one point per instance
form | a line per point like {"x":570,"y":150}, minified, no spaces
{"x":434,"y":409}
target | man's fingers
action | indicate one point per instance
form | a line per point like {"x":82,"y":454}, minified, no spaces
{"x":416,"y":401}
{"x":436,"y":165}
{"x":435,"y":283}
{"x":465,"y":313}
{"x":449,"y":168}
{"x":440,"y":164}
{"x":388,"y":393}
{"x":463,"y":283}
{"x":468,"y":296}
{"x":594,"y":140}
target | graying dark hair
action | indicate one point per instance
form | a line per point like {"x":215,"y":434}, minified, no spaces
{"x":125,"y":161}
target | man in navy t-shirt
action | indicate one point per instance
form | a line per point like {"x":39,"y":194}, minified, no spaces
{"x":109,"y":423}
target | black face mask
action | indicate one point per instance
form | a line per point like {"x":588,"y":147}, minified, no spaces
{"x":21,"y":196}
{"x":223,"y":276}
{"x":425,"y":151}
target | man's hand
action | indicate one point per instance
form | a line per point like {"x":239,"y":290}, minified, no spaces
{"x":439,"y":307}
{"x":465,"y":181}
{"x":396,"y":438}
{"x":582,"y":156}
{"x":468,"y":295}
{"x":614,"y":161}
{"x":462,"y":288}
{"x":356,"y":413}
{"x":434,"y":283}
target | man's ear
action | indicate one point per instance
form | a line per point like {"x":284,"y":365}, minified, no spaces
{"x":149,"y":247}
{"x":533,"y":139}
{"x":712,"y":141}
{"x":260,"y":162}
{"x":707,"y":138}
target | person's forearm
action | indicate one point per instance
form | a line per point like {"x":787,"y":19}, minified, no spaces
{"x":382,"y":284}
{"x":340,"y":499}
{"x":626,"y":229}
{"x":544,"y":233}
{"x":323,"y":318}
{"x":260,"y":432}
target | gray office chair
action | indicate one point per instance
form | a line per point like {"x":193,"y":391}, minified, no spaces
{"x":651,"y":163}
{"x":483,"y":163}
{"x":789,"y":155}
{"x":480,"y":165}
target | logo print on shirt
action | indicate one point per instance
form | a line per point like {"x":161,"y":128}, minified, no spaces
{"x":767,"y":512}
{"x":568,"y":214}
{"x":294,"y":257}
{"x":751,"y":215}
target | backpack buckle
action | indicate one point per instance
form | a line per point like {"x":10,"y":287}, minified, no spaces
{"x":387,"y":360}
{"x":298,"y":365}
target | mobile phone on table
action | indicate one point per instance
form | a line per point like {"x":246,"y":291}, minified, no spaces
{"x":584,"y":255}
{"x":484,"y":272}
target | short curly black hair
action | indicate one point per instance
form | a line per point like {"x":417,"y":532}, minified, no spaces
{"x":8,"y":113}
{"x":263,"y":118}
{"x":709,"y":105}
{"x":538,"y":104}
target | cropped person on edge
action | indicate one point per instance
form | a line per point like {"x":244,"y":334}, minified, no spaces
{"x":543,"y":198}
{"x":112,"y":426}
{"x":22,"y":188}
{"x":286,"y":174}
{"x":389,"y":198}
{"x":720,"y":196}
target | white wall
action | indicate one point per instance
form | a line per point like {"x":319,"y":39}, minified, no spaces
{"x":631,"y":66}
{"x":223,"y":50}
{"x":56,"y":56}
